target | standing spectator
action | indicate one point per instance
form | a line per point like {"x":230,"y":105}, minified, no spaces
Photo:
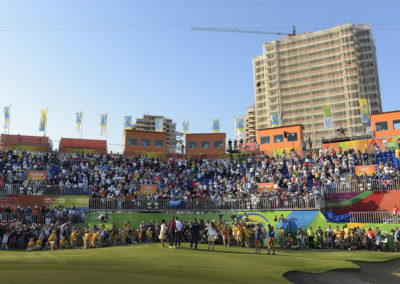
{"x":194,"y":230}
{"x":172,"y":232}
{"x":163,"y":231}
{"x":396,"y":238}
{"x":281,"y":237}
{"x":300,"y":239}
{"x":212,"y":233}
{"x":271,"y":240}
{"x":310,"y":236}
{"x":257,"y":238}
{"x":178,"y":237}
{"x":395,"y":214}
{"x":309,"y":142}
{"x":328,"y":237}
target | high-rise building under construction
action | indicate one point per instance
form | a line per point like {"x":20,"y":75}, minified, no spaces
{"x":297,"y":75}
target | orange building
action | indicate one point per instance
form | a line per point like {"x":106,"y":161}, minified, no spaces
{"x":137,"y":142}
{"x":205,"y":143}
{"x":25,"y":143}
{"x":385,"y":124}
{"x":275,"y":140}
{"x":73,"y":145}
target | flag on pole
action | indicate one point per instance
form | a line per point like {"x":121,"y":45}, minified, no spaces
{"x":328,"y":122}
{"x":185,"y":126}
{"x":7,"y":117}
{"x":128,"y":122}
{"x":103,"y":124}
{"x":364,"y":108}
{"x":43,"y":120}
{"x":215,"y":126}
{"x":159,"y":124}
{"x":78,"y":121}
{"x":239,"y":127}
{"x":275,"y":119}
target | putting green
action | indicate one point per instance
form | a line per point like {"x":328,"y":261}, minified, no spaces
{"x":151,"y":264}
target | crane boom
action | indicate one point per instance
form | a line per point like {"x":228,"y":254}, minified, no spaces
{"x":242,"y":31}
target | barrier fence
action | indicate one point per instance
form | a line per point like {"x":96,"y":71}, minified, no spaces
{"x":378,"y":217}
{"x":29,"y":218}
{"x":23,"y":189}
{"x":361,"y":185}
{"x":121,"y":204}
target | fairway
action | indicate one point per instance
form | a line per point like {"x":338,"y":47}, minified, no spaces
{"x":151,"y":264}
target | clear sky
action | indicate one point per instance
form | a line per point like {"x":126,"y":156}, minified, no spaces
{"x":140,"y":56}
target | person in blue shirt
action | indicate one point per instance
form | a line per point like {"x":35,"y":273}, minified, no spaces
{"x":257,"y":238}
{"x":271,"y":239}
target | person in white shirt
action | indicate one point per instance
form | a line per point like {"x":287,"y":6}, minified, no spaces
{"x":163,"y":231}
{"x":178,"y":238}
{"x":212,"y":233}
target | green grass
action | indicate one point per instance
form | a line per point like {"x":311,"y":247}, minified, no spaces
{"x":152,"y":264}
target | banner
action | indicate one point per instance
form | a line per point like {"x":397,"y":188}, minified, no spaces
{"x":128,"y":122}
{"x":78,"y":121}
{"x":159,"y":124}
{"x":265,"y":187}
{"x":364,"y":108}
{"x":148,"y":188}
{"x":103,"y":124}
{"x":37,"y":175}
{"x":369,"y":170}
{"x":328,"y":123}
{"x":7,"y":117}
{"x":185,"y":126}
{"x":275,"y":119}
{"x":239,"y":127}
{"x":215,"y":126}
{"x":174,"y":203}
{"x":43,"y":120}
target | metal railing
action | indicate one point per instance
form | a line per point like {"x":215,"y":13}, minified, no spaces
{"x":378,"y":217}
{"x":121,"y":204}
{"x":361,"y":185}
{"x":34,"y":189}
{"x":30,"y":218}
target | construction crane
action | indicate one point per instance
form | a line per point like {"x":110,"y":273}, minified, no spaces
{"x":243,"y":31}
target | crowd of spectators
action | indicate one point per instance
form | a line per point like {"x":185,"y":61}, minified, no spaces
{"x":113,"y":175}
{"x":43,"y":215}
{"x":17,"y":235}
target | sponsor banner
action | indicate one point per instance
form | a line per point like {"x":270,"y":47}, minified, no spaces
{"x":275,"y":119}
{"x":364,"y":108}
{"x":368,"y":170}
{"x":174,"y":203}
{"x":148,"y":188}
{"x":328,"y":122}
{"x":265,"y":187}
{"x":36,"y":175}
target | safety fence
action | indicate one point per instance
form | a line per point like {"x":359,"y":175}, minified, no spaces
{"x":121,"y":204}
{"x":35,"y":189}
{"x":378,"y":217}
{"x":362,"y":185}
{"x":30,"y":218}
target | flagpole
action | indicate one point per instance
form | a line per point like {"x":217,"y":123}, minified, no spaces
{"x":80,"y":128}
{"x":9,"y":120}
{"x":45,"y":127}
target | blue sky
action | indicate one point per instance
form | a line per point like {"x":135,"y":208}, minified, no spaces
{"x":140,"y":56}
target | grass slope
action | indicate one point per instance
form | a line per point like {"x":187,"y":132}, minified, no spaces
{"x":152,"y":264}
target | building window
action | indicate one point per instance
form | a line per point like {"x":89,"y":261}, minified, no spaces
{"x":264,"y":140}
{"x":291,"y":137}
{"x":192,"y":144}
{"x":218,"y":144}
{"x":381,"y":126}
{"x":396,"y":124}
{"x":132,"y":141}
{"x":146,"y":142}
{"x":205,"y":144}
{"x":159,"y":143}
{"x":278,"y":138}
